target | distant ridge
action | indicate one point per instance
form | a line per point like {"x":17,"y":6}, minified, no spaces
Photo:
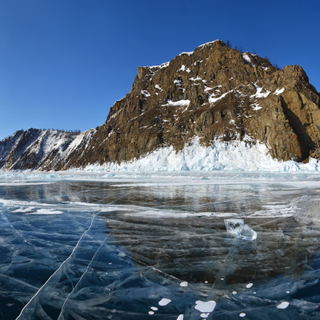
{"x":42,"y":149}
{"x":214,"y":93}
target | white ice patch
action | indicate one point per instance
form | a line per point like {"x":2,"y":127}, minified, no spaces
{"x":205,"y":306}
{"x":158,"y":87}
{"x":164,"y":301}
{"x":24,"y":210}
{"x":204,"y":315}
{"x":13,"y":183}
{"x":184,"y":284}
{"x":161,"y":214}
{"x":47,"y":211}
{"x":190,"y":53}
{"x":161,"y":66}
{"x":145,"y":93}
{"x":279,"y":91}
{"x":261,"y":93}
{"x":242,"y":314}
{"x":283,"y":305}
{"x":183,"y":68}
{"x":180,"y":317}
{"x":249,"y":285}
{"x":195,"y":79}
{"x":256,"y":107}
{"x":276,"y":210}
{"x":184,"y":103}
{"x":18,"y":203}
{"x":215,"y":99}
{"x":207,"y":89}
{"x":208,"y":43}
{"x":247,"y":59}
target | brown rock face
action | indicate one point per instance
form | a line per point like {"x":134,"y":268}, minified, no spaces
{"x":212,"y":92}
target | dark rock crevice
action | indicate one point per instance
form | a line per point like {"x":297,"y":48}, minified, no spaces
{"x":305,"y":141}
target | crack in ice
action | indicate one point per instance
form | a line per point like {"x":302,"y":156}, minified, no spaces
{"x":65,"y":261}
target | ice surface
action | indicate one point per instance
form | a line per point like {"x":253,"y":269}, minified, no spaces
{"x":123,"y":242}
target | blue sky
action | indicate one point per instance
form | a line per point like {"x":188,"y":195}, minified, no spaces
{"x":63,"y":63}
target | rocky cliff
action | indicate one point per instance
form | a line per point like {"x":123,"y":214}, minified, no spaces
{"x":214,"y":92}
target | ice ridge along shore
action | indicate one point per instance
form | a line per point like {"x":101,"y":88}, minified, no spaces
{"x":221,"y":156}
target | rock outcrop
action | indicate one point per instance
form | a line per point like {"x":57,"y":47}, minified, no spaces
{"x":214,"y":92}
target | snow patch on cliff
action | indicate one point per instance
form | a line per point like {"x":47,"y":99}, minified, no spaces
{"x":220,"y":156}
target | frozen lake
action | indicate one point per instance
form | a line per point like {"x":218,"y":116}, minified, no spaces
{"x":155,"y":246}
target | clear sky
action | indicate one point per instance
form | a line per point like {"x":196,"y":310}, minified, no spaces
{"x":63,"y":63}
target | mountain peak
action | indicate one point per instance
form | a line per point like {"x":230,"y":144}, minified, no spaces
{"x":212,"y":93}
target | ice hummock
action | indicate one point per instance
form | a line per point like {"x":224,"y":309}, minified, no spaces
{"x":237,"y":229}
{"x":233,"y":226}
{"x":220,"y":156}
{"x":246,"y":233}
